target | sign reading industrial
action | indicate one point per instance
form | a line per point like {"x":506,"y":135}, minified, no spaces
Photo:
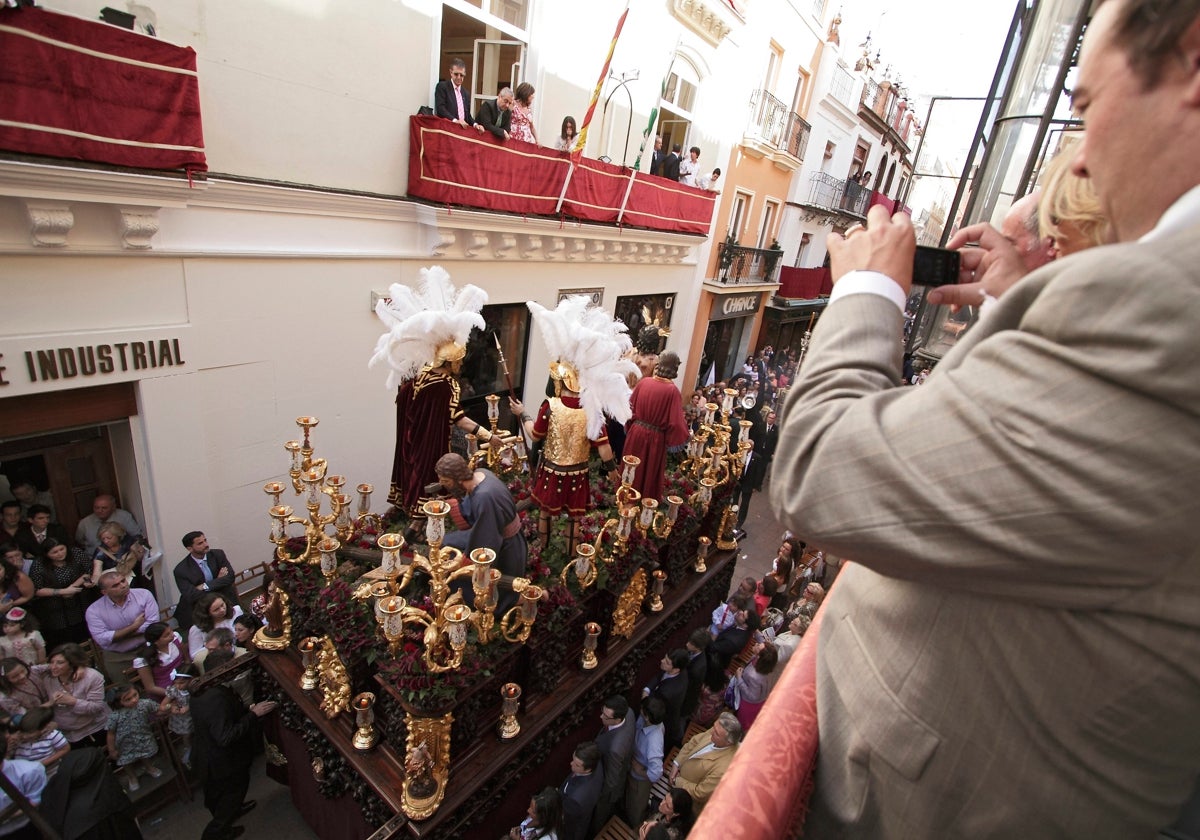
{"x":54,"y":362}
{"x":734,"y":306}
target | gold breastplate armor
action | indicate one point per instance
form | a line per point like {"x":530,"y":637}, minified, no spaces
{"x":567,"y":442}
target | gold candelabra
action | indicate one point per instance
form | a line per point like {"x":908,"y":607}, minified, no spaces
{"x":726,"y":541}
{"x":701,"y":555}
{"x":663,"y":524}
{"x":584,"y":566}
{"x":504,"y":453}
{"x":518,"y":622}
{"x":310,"y":480}
{"x":620,"y":527}
{"x":627,"y":496}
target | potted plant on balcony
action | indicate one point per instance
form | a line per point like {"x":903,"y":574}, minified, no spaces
{"x":728,"y":252}
{"x":771,"y":259}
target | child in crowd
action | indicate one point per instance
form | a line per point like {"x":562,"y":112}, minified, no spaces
{"x":37,"y":738}
{"x":21,"y":639}
{"x":179,"y":699}
{"x":130,"y":736}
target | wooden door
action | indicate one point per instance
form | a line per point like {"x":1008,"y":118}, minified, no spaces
{"x":79,"y":472}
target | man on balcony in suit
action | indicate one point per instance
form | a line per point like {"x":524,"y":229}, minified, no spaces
{"x":670,"y":164}
{"x":993,"y":663}
{"x":657,"y":157}
{"x":203,"y":570}
{"x":451,"y":99}
{"x":496,"y":116}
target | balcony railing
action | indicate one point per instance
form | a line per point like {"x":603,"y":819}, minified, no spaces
{"x":879,"y":100}
{"x":841,"y":196}
{"x":779,"y":126}
{"x":841,"y":86}
{"x":739,"y":264}
{"x":795,"y":136}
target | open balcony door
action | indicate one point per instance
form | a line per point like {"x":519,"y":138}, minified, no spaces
{"x":496,"y":63}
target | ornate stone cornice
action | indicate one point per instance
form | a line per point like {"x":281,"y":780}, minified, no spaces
{"x":711,"y":21}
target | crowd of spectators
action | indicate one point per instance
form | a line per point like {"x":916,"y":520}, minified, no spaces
{"x":655,"y":765}
{"x":79,"y":613}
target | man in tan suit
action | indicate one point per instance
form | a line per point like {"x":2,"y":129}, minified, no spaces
{"x":703,"y":760}
{"x":1016,"y":651}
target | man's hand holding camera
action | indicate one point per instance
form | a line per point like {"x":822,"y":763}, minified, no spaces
{"x":886,"y":245}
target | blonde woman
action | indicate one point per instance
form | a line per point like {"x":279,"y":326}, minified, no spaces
{"x":1069,"y":211}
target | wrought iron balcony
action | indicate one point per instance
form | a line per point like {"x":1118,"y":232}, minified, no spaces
{"x":795,"y":136}
{"x":739,"y":264}
{"x":881,"y":101}
{"x":774,"y":127}
{"x":829,"y":193}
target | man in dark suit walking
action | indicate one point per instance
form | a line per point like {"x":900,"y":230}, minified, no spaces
{"x":670,"y":685}
{"x":615,"y":742}
{"x":203,"y":570}
{"x":581,"y":791}
{"x":496,"y":115}
{"x":451,"y":98}
{"x":765,"y":437}
{"x":226,"y":738}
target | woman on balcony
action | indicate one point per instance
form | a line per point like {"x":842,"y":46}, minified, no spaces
{"x":566,"y":138}
{"x":522,"y":114}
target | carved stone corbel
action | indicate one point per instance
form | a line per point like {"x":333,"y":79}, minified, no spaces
{"x":446,"y":240}
{"x":476,"y":241}
{"x":533,"y":244}
{"x":557,"y":246}
{"x":576,"y":249}
{"x":49,"y":223}
{"x":138,"y":227}
{"x":505,"y":243}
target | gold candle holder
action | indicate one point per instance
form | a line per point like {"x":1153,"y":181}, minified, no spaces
{"x":591,"y":637}
{"x":279,"y":517}
{"x":329,"y":562}
{"x":274,"y":489}
{"x":656,"y":602}
{"x":364,"y":717}
{"x":702,"y":555}
{"x":389,"y":612}
{"x":646,"y":517}
{"x":364,"y":498}
{"x":309,"y":655}
{"x":510,"y":701}
{"x":391,"y":545}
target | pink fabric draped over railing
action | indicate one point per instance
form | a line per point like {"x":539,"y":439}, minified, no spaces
{"x":452,"y":165}
{"x":74,"y":88}
{"x":764,"y":794}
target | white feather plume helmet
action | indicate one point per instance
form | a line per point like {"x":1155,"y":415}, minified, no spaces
{"x":423,"y":325}
{"x":593,"y":343}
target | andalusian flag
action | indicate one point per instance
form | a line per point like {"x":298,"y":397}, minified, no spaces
{"x":587,"y":118}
